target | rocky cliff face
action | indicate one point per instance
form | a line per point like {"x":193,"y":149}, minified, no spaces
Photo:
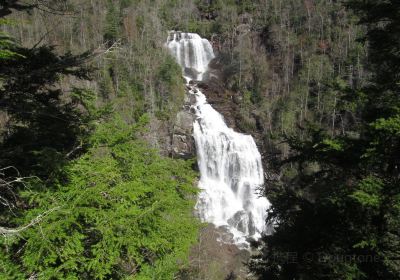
{"x":222,"y":100}
{"x":182,"y":141}
{"x":229,"y":103}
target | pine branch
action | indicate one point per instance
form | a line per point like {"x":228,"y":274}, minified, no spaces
{"x":14,"y":231}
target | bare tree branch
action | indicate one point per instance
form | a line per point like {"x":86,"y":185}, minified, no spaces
{"x":14,"y":231}
{"x":8,"y":198}
{"x":106,"y":48}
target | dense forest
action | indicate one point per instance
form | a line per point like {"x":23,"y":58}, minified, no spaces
{"x":91,"y":184}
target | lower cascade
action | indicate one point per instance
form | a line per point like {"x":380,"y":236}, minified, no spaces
{"x":229,"y":162}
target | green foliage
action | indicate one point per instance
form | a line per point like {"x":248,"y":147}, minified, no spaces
{"x":122,"y":211}
{"x":388,"y":126}
{"x":171,"y":88}
{"x":368,"y":192}
{"x":44,"y":124}
{"x":290,"y":56}
{"x":112,"y":27}
{"x":332,"y":144}
{"x":348,"y":207}
{"x":209,"y":7}
{"x":118,"y":209}
{"x":7,"y":43}
{"x":330,"y":213}
{"x":382,"y":20}
{"x":8,"y":269}
{"x":125,"y":211}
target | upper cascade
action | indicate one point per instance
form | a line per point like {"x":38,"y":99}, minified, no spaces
{"x":192,"y":52}
{"x":229,"y":162}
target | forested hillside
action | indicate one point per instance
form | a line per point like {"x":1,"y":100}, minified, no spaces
{"x":91,"y":185}
{"x":336,"y":215}
{"x":84,"y":192}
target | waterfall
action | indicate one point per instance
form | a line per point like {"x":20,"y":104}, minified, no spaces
{"x":231,"y":171}
{"x":191,"y":52}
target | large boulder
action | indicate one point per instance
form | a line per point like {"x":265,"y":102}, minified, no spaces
{"x":184,"y":123}
{"x":182,"y":142}
{"x":183,"y":146}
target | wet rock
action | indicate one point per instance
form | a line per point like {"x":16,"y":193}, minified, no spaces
{"x":221,"y":100}
{"x":184,"y":123}
{"x":186,"y":99}
{"x":190,"y":72}
{"x":192,"y":98}
{"x":243,"y":222}
{"x":182,"y":146}
{"x":193,"y":110}
{"x":224,"y":236}
{"x":239,"y":221}
{"x":182,"y":142}
{"x":235,"y":185}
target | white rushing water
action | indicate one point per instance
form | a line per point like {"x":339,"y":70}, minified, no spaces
{"x":191,"y":52}
{"x":229,"y":162}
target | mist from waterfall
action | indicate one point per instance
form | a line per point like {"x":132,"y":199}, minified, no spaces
{"x":229,"y":162}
